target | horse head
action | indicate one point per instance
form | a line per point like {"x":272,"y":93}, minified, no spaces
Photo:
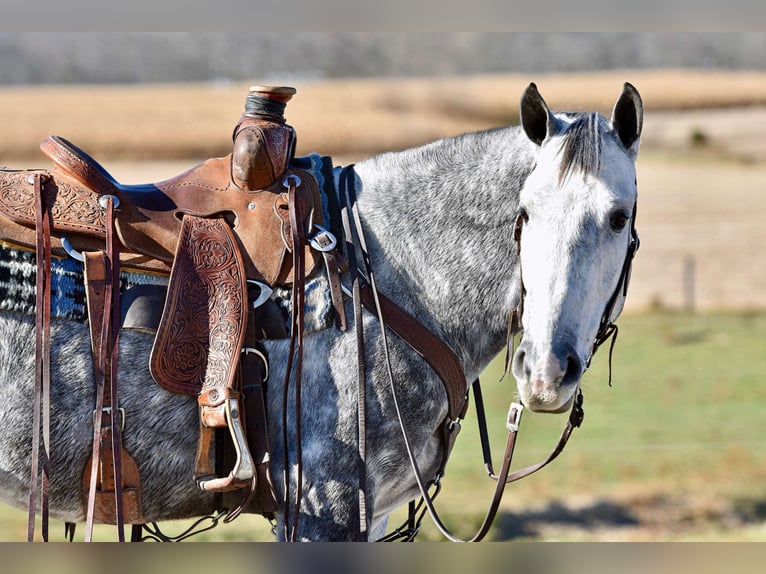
{"x":576,"y":236}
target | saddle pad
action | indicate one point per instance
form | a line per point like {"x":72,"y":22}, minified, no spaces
{"x":17,"y":290}
{"x":18,"y":272}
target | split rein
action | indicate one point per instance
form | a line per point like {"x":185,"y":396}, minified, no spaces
{"x":408,"y":531}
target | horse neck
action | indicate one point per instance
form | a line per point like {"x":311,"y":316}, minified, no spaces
{"x":440,"y":223}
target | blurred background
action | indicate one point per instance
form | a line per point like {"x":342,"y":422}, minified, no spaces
{"x":674,"y":449}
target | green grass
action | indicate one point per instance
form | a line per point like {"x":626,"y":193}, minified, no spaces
{"x":683,"y":420}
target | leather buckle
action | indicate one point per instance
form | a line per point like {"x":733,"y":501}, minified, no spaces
{"x":323,"y":241}
{"x":514,"y":417}
{"x":108,"y":411}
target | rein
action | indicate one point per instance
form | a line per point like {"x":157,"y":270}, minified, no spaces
{"x":449,"y":370}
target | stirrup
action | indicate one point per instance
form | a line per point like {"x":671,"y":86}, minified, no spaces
{"x":242,"y":474}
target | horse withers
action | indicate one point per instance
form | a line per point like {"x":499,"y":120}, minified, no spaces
{"x":536,"y":219}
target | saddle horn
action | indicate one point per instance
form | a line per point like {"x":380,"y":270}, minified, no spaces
{"x":263,"y":143}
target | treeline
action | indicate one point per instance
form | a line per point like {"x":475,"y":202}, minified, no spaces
{"x":33,"y":58}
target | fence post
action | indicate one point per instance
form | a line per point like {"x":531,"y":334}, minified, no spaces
{"x":689,"y":286}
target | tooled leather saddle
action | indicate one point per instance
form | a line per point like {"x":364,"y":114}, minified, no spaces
{"x":225,"y":232}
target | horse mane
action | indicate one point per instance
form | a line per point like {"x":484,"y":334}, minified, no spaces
{"x":581,"y":146}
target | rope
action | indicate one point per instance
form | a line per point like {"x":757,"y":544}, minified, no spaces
{"x":256,"y":105}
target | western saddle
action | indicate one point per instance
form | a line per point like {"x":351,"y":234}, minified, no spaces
{"x":225,"y":232}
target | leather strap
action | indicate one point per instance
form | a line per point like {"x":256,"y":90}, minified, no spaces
{"x":98,"y":288}
{"x":435,"y":352}
{"x":112,"y":477}
{"x":346,"y":201}
{"x":253,"y":374}
{"x":113,"y":497}
{"x":41,"y":400}
{"x":295,"y":353}
{"x":334,"y":269}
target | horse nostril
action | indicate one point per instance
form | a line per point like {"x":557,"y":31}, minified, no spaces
{"x":520,"y":366}
{"x":574,"y":368}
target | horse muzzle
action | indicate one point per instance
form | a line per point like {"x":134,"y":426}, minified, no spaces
{"x":547,"y":381}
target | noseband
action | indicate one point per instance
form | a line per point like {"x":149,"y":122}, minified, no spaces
{"x":607,"y":329}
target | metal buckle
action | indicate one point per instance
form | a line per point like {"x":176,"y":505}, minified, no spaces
{"x":264,"y":295}
{"x":108,"y":410}
{"x":329,"y":245}
{"x":453,"y":424}
{"x":514,"y":417}
{"x":295,"y":178}
{"x":102,"y":201}
{"x":248,"y":350}
{"x":71,"y":251}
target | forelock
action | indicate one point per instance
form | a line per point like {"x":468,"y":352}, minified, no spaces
{"x":581,"y":146}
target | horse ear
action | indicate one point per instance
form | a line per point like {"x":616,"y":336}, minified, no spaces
{"x":536,"y":118}
{"x":628,"y":117}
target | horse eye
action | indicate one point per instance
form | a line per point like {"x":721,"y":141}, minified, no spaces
{"x":618,"y":220}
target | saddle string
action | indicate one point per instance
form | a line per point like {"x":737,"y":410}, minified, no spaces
{"x":101,"y":271}
{"x":41,"y":399}
{"x":295,"y":353}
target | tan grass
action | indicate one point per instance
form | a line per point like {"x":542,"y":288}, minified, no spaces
{"x":351,"y":117}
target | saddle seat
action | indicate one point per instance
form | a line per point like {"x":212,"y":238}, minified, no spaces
{"x":149,"y":215}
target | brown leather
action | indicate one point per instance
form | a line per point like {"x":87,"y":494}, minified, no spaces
{"x":41,"y":401}
{"x":73,"y":161}
{"x":105,"y":510}
{"x":110,"y":500}
{"x":436,"y":353}
{"x":149,"y":216}
{"x":257,"y":437}
{"x":262,"y":151}
{"x":16,"y":230}
{"x":203,"y":323}
{"x":154,"y":224}
{"x":200,"y":337}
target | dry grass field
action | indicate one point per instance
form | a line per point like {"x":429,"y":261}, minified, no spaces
{"x":701,"y":175}
{"x":348,"y":117}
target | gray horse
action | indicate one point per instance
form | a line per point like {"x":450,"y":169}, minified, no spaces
{"x":439,"y":222}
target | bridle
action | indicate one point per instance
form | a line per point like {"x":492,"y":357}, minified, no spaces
{"x":607,"y":329}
